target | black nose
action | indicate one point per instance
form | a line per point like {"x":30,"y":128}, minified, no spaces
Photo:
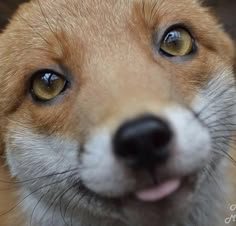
{"x":143,"y":142}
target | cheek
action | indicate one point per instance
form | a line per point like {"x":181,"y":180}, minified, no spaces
{"x":58,"y":116}
{"x":192,"y":143}
{"x":32,"y":155}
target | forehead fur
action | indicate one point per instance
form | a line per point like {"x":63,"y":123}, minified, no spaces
{"x":103,"y":41}
{"x":94,"y":21}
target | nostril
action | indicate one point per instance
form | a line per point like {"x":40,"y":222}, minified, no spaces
{"x":143,"y":141}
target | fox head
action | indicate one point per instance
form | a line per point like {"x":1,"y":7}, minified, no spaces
{"x":117,"y":112}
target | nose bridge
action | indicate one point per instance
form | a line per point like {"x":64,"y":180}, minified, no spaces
{"x":125,"y":83}
{"x":127,"y":67}
{"x":139,"y":87}
{"x":131,"y":73}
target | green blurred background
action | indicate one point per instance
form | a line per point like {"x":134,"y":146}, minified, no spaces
{"x":224,"y":9}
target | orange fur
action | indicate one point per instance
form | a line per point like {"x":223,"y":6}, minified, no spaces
{"x":104,"y":59}
{"x":8,"y":197}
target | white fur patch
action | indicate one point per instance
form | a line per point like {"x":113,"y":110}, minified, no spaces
{"x":102,"y":171}
{"x":192,"y":142}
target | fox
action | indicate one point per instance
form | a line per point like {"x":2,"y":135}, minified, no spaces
{"x":117,"y":113}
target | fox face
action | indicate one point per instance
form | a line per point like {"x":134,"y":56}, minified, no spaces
{"x":117,"y":112}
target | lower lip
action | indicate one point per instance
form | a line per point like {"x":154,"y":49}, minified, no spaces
{"x":159,"y":192}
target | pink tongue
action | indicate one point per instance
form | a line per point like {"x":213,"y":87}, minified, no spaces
{"x":159,"y":192}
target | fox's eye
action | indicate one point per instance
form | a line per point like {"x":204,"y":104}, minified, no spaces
{"x":177,"y":42}
{"x":47,"y":84}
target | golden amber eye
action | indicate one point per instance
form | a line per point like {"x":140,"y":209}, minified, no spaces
{"x":177,"y":42}
{"x":46,"y":85}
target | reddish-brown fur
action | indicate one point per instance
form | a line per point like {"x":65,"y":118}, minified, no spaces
{"x":8,"y":197}
{"x":19,"y":55}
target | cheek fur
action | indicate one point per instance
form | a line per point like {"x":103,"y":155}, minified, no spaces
{"x":215,"y":106}
{"x":32,"y":155}
{"x":101,"y":171}
{"x":192,"y":144}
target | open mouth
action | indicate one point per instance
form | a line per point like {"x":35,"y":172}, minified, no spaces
{"x":160,"y":191}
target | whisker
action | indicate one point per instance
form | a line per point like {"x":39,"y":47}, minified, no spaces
{"x":49,"y":26}
{"x":225,"y":143}
{"x":60,"y":200}
{"x":227,"y":117}
{"x":33,"y":192}
{"x":216,"y":97}
{"x":218,"y":150}
{"x":215,"y":181}
{"x":219,"y":111}
{"x":61,"y":211}
{"x":217,"y":125}
{"x":153,"y":11}
{"x":68,"y":204}
{"x":37,"y":178}
{"x":75,"y":206}
{"x":53,"y":203}
{"x":35,"y":207}
{"x":34,"y":30}
{"x":40,"y":49}
{"x":224,"y":137}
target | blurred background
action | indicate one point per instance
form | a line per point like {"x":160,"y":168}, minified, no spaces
{"x":224,"y":9}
